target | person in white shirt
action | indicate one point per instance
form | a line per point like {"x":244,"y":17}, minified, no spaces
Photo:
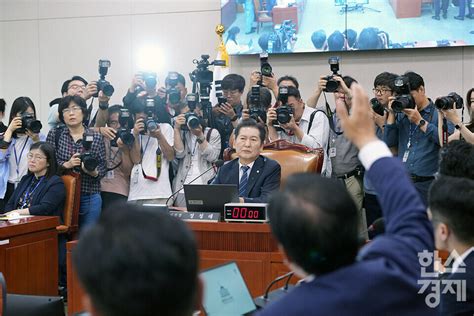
{"x":151,"y":155}
{"x":306,"y":127}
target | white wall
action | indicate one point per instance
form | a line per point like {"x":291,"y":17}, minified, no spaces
{"x":44,"y":42}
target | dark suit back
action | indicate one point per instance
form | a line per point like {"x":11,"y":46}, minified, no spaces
{"x":47,"y":199}
{"x":449,"y":303}
{"x":264,"y":178}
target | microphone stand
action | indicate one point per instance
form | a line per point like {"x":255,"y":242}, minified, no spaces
{"x":217,"y":163}
{"x":263,"y":300}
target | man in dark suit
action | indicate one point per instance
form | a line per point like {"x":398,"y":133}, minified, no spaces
{"x":315,"y":222}
{"x":451,"y":204}
{"x":256,"y":176}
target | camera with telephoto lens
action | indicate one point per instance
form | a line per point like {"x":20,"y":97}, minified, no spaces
{"x":403,"y":99}
{"x":102,"y":84}
{"x":377,"y":106}
{"x":192,"y":120}
{"x":174,"y":96}
{"x":28,"y":122}
{"x":284,"y":112}
{"x":447,"y":102}
{"x":256,"y":110}
{"x":265,"y":67}
{"x":151,"y":124}
{"x":331,"y":84}
{"x":125,"y":131}
{"x":150,"y":80}
{"x":87,"y":157}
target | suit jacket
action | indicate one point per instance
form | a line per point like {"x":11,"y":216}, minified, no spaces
{"x":264,"y":178}
{"x":383,"y":280}
{"x":449,"y":305}
{"x":47,"y":199}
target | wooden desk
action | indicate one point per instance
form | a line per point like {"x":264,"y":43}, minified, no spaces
{"x":29,"y":255}
{"x":294,"y":13}
{"x":406,"y":8}
{"x":251,"y":245}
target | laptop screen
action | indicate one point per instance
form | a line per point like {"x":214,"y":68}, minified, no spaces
{"x":225,"y":291}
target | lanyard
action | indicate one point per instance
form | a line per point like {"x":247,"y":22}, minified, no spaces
{"x":18,"y":159}
{"x":111,"y":159}
{"x":142,"y":152}
{"x":29,"y":192}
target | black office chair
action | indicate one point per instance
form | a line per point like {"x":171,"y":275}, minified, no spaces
{"x":3,"y":294}
{"x":33,"y":305}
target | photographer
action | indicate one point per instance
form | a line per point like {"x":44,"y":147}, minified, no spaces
{"x":305,"y":125}
{"x":151,"y":155}
{"x":80,"y":149}
{"x":384,"y":87}
{"x":196,"y":147}
{"x":463,"y":131}
{"x":79,"y":86}
{"x":228,"y":113}
{"x":23,"y":131}
{"x":116,"y":183}
{"x":414,"y":130}
{"x":143,"y":87}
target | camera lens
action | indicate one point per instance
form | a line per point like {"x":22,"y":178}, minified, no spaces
{"x":403,"y":102}
{"x":376,"y":106}
{"x":127,"y":138}
{"x":193,"y":122}
{"x":90,"y":163}
{"x":34,"y":126}
{"x":151,"y":125}
{"x":108,"y":90}
{"x":332,"y":85}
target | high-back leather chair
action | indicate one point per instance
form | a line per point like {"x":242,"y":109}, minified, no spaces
{"x":294,"y":158}
{"x":72,"y":184}
{"x":261,"y":14}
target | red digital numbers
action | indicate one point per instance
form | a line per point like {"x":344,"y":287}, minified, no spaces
{"x":244,"y":213}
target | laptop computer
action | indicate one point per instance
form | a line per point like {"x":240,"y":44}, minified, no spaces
{"x":209,"y":197}
{"x":225,"y":291}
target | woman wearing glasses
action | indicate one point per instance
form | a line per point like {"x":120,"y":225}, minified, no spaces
{"x":40,"y":191}
{"x":23,"y":131}
{"x":81,"y":150}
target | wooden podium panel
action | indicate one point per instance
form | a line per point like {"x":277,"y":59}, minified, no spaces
{"x":29,"y":255}
{"x":251,"y":246}
{"x":406,"y":8}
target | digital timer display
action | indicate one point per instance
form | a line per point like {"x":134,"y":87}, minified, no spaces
{"x":245,"y":212}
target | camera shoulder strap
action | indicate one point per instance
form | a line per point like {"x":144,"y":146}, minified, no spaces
{"x":208,"y":135}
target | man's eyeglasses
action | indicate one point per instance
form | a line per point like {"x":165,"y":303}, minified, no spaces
{"x":229,"y":93}
{"x":72,"y":109}
{"x":380,"y":91}
{"x":34,"y":157}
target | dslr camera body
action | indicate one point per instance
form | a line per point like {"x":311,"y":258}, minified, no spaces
{"x":403,"y":99}
{"x":447,"y":102}
{"x":192,"y":120}
{"x":151,"y":124}
{"x":284,"y":112}
{"x":331,"y":84}
{"x":125,"y":131}
{"x":102,"y":84}
{"x":87,"y":157}
{"x":29,"y":122}
{"x":174,"y":95}
{"x":150,"y":80}
{"x":256,"y":110}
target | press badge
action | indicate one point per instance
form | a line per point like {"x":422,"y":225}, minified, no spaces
{"x":110,"y":174}
{"x":135,"y":177}
{"x":405,"y":155}
{"x":332,"y":152}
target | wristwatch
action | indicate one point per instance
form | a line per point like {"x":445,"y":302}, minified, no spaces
{"x":458,"y":126}
{"x":200,"y":140}
{"x":422,"y":122}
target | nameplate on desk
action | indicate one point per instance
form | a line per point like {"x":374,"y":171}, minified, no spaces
{"x":197,"y":216}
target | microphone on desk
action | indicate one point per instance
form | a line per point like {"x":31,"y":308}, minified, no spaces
{"x":217,"y":163}
{"x":268,"y":296}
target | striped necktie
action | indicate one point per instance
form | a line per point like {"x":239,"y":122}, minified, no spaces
{"x":243,"y":181}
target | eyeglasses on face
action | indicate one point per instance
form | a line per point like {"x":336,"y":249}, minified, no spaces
{"x":30,"y":156}
{"x":72,"y":109}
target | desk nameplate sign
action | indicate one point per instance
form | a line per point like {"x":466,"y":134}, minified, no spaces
{"x":210,"y":217}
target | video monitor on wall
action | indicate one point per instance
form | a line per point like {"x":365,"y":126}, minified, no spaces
{"x":295,"y":26}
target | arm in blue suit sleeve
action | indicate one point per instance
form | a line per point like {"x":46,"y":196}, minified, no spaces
{"x":217,"y":178}
{"x":404,"y":212}
{"x":271,"y":184}
{"x":51,"y":201}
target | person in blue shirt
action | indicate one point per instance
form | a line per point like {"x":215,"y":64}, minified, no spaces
{"x":415,"y":133}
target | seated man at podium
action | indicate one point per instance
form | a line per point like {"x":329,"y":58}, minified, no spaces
{"x":256,"y":176}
